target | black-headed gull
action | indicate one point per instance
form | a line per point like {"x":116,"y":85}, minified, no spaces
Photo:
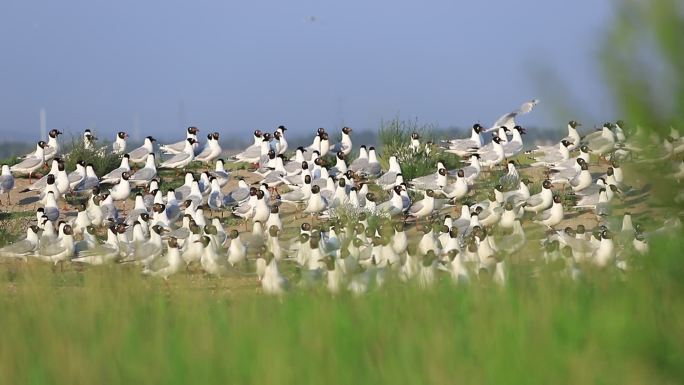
{"x":33,"y":162}
{"x":178,"y":147}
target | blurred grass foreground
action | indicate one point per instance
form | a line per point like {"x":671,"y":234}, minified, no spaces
{"x":110,"y":326}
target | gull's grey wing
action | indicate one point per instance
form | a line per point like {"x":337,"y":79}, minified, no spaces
{"x":592,"y":136}
{"x":146,"y":250}
{"x":535,"y":200}
{"x":49,"y":249}
{"x":488,"y":156}
{"x":587,"y":200}
{"x":182,"y":192}
{"x":40,"y":184}
{"x":243,"y":209}
{"x":158,"y":263}
{"x":219,"y":174}
{"x":598,"y":143}
{"x":294,"y":195}
{"x":507,"y":120}
{"x":87,"y":184}
{"x":387,"y":178}
{"x":205,"y":152}
{"x":240,"y":194}
{"x":18,"y":248}
{"x":114,"y":174}
{"x":29,"y":162}
{"x":250,"y":152}
{"x":512,"y":148}
{"x":179,"y":233}
{"x":372,"y":169}
{"x":101,"y":249}
{"x":358,"y":164}
{"x":6,"y":182}
{"x":293,"y":167}
{"x":138,"y":153}
{"x":578,"y":245}
{"x":144,"y":174}
{"x":415,"y":207}
{"x":462,"y":144}
{"x":509,"y":180}
{"x":178,"y":146}
{"x":214,"y":200}
{"x":175,"y":159}
{"x":75,"y":177}
{"x":273,"y":177}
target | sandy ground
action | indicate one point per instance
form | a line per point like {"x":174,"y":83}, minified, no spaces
{"x":23,"y":205}
{"x":26,"y":202}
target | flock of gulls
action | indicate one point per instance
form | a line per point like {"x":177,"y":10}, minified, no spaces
{"x":346,"y":224}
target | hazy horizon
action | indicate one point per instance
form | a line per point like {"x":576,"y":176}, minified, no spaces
{"x":162,"y":66}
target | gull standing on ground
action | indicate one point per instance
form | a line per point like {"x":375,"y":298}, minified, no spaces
{"x":542,"y":200}
{"x":424,"y":207}
{"x":345,"y":145}
{"x":81,"y":222}
{"x":31,"y":163}
{"x":119,"y":145}
{"x":511,"y":178}
{"x":495,"y":156}
{"x":6,"y":183}
{"x":601,"y":142}
{"x":253,"y":148}
{"x":89,"y":181}
{"x":212,"y":149}
{"x":458,"y":189}
{"x":362,"y":161}
{"x":89,"y":139}
{"x":573,"y":138}
{"x":273,"y":282}
{"x":389,"y":179}
{"x":180,"y":160}
{"x":281,"y":144}
{"x":22,"y":248}
{"x":573,"y":135}
{"x":179,"y":147}
{"x":254,"y":152}
{"x":139,"y":155}
{"x":122,"y":190}
{"x":145,"y":174}
{"x":220,"y":173}
{"x":554,"y":215}
{"x":434,"y":181}
{"x":114,"y":175}
{"x":316,"y":204}
{"x":553,"y":155}
{"x":515,"y":145}
{"x":102,"y":253}
{"x":76,"y":177}
{"x":60,"y":250}
{"x":167,"y":265}
{"x":42,"y":182}
{"x":372,"y":169}
{"x":53,"y":145}
{"x":582,"y":180}
{"x":464,"y":147}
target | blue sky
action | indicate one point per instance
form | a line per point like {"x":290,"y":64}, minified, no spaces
{"x":237,"y":66}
